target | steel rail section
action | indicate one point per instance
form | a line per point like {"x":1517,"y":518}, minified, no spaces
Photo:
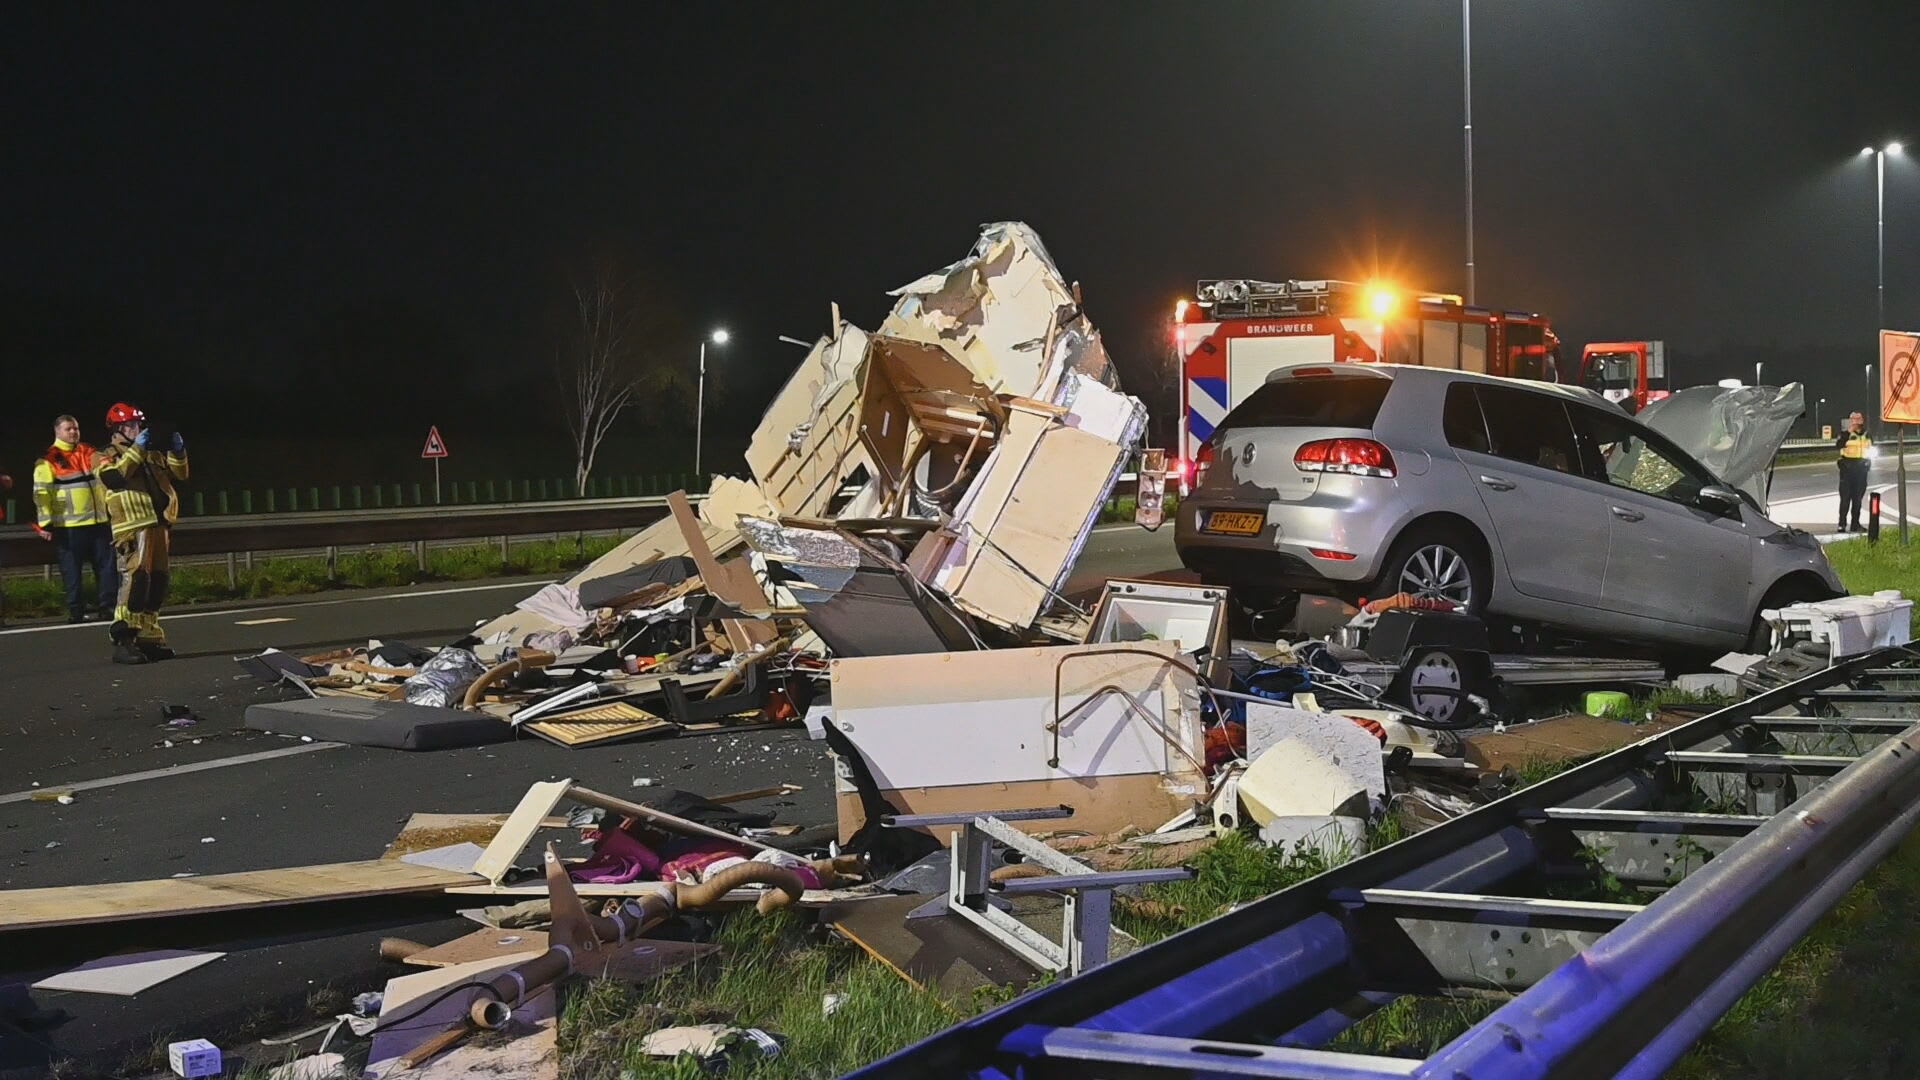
{"x":296,"y":531}
{"x":1589,"y":989}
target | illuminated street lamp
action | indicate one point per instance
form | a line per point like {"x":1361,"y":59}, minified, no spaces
{"x":718,"y":337}
{"x":1816,"y":416}
{"x":1880,"y":238}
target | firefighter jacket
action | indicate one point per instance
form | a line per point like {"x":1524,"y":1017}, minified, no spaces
{"x":65,"y":491}
{"x":139,"y":486}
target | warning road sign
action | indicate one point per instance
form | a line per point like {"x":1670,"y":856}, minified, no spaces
{"x":1899,"y":377}
{"x":436,"y":447}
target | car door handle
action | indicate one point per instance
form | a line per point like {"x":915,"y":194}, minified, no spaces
{"x":1625,"y":514}
{"x":1496,"y":483}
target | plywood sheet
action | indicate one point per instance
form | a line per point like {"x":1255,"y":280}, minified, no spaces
{"x":819,"y":399}
{"x":75,"y":905}
{"x":425,"y":831}
{"x":732,"y":582}
{"x":1562,"y":738}
{"x":525,"y":820}
{"x":127,"y":974}
{"x":1101,"y":807}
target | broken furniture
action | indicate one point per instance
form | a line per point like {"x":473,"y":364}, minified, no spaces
{"x":1846,"y":625}
{"x":1196,"y":616}
{"x":1087,"y":921}
{"x":1112,"y":731}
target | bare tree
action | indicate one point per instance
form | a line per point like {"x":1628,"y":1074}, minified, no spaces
{"x":614,"y":356}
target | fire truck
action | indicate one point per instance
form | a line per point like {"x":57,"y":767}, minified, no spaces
{"x":1630,"y":373}
{"x":1236,"y":332}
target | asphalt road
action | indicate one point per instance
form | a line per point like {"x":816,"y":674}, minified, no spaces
{"x":67,"y":715}
{"x":1800,"y":492}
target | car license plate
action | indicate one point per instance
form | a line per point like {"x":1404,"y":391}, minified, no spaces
{"x":1235,"y":522}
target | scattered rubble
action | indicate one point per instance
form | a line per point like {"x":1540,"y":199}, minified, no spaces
{"x":890,"y":575}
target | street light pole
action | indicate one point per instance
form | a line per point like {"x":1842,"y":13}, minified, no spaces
{"x":1880,"y":313}
{"x":1757,"y":365}
{"x":1466,"y":66}
{"x":1816,"y":418}
{"x":718,"y":337}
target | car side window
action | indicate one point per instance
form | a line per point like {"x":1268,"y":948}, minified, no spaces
{"x":1620,"y":452}
{"x":1461,"y":421}
{"x":1531,"y":429}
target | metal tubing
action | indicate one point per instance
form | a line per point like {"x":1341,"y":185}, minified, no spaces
{"x":1205,"y":1058}
{"x":1707,"y":1008}
{"x":1110,"y":880}
{"x":1227,"y":988}
{"x":1582,"y":1012}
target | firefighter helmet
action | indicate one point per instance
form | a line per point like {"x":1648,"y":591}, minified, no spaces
{"x":123,"y":413}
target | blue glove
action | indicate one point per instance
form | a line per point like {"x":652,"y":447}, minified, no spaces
{"x":179,"y":443}
{"x":140,"y":440}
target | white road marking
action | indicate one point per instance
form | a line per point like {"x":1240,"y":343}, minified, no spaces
{"x":309,"y":604}
{"x":172,"y":770}
{"x":262,"y":622}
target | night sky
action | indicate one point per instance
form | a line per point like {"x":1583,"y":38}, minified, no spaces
{"x":349,"y":223}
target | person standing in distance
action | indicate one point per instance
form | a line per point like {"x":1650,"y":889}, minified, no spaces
{"x":138,"y":478}
{"x":1853,"y":444}
{"x":72,"y":513}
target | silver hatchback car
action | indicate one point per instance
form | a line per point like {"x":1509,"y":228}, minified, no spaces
{"x":1526,"y":500}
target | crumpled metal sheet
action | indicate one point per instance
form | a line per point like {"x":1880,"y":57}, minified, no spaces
{"x":442,"y":680}
{"x":821,"y":557}
{"x":1733,"y":432}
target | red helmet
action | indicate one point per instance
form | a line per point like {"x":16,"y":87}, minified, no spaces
{"x":123,"y":413}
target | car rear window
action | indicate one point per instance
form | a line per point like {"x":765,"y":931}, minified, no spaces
{"x":1321,"y":401}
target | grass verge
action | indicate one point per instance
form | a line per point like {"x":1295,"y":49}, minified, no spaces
{"x":372,"y":568}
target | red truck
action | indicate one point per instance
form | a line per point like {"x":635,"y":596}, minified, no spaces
{"x":1632,"y":374}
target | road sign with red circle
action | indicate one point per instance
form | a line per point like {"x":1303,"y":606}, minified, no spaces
{"x":1899,"y":377}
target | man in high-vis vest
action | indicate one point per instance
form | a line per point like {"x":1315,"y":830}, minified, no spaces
{"x":1855,"y":448}
{"x":73,"y":515}
{"x":138,"y":478}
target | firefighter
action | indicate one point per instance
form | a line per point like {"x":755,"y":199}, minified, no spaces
{"x":72,"y":513}
{"x":1854,"y":445}
{"x":138,"y":477}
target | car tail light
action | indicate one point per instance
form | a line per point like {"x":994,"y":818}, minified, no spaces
{"x":1329,"y":553}
{"x":1360,"y":457}
{"x":1201,"y":461}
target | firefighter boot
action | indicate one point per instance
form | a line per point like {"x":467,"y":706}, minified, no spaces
{"x":149,"y":638}
{"x":125,"y":649}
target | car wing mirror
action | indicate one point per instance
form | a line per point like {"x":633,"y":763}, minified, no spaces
{"x":1718,"y":499}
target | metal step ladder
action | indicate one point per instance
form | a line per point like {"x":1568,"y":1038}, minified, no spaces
{"x":1813,"y":797}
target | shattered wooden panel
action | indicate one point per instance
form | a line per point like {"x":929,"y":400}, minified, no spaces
{"x":816,"y":408}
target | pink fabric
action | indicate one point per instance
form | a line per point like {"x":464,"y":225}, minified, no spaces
{"x":617,"y":859}
{"x":687,"y":867}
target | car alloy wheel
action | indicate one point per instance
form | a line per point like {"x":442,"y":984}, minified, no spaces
{"x":1438,"y":572}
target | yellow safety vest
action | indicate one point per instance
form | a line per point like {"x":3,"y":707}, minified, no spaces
{"x":65,"y":492}
{"x":1855,"y":447}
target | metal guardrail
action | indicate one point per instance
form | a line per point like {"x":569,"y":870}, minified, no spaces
{"x":1597,"y":989}
{"x":19,"y":547}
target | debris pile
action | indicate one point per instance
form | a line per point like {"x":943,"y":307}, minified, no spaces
{"x":922,"y":488}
